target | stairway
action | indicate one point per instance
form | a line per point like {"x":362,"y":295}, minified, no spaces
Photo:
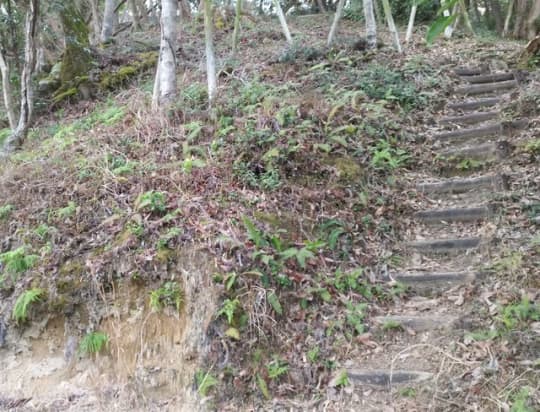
{"x":452,"y":236}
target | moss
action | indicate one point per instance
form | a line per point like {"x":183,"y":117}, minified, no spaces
{"x":165,"y":255}
{"x":347,"y":168}
{"x":142,"y":62}
{"x":60,"y":95}
{"x":77,"y":59}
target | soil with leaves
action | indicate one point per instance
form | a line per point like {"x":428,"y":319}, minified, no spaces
{"x":296,"y":185}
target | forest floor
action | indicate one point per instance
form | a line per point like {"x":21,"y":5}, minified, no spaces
{"x":239,"y":257}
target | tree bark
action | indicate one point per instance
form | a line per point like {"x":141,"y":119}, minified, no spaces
{"x":283,"y":22}
{"x":410,"y":26}
{"x":337,"y":17}
{"x":371,"y":25}
{"x":134,"y":15}
{"x":497,"y":15}
{"x":209,"y":47}
{"x":108,"y":21}
{"x":508,"y":18}
{"x":165,"y":84}
{"x":237,"y":21}
{"x":5,"y":70}
{"x":533,"y":20}
{"x":27,"y":98}
{"x":520,"y":26}
{"x":391,"y":24}
{"x":465,"y":15}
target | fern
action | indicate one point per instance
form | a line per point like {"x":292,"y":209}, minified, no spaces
{"x":93,"y":342}
{"x":24,"y":301}
{"x":17,"y":261}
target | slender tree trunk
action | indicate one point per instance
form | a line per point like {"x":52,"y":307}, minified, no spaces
{"x":108,"y":21}
{"x":474,"y":7}
{"x":533,"y":19}
{"x":410,"y":26}
{"x":337,"y":17}
{"x":320,"y":4}
{"x":391,"y":24}
{"x":371,"y":25}
{"x":95,"y":23}
{"x":185,"y":12}
{"x":5,"y":70}
{"x":134,"y":15}
{"x":209,"y":47}
{"x":283,"y":22}
{"x":465,"y":15}
{"x":27,"y":99}
{"x":237,"y":22}
{"x":508,"y":18}
{"x":165,"y":83}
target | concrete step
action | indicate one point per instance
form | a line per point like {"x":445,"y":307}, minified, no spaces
{"x":494,"y":182}
{"x":493,"y":129}
{"x":386,"y":378}
{"x":486,"y":88}
{"x":471,"y":118}
{"x":446,"y":245}
{"x":474,"y":104}
{"x":490,"y":78}
{"x":430,"y":282}
{"x":415,"y":322}
{"x":466,"y":214}
{"x":484,"y":151}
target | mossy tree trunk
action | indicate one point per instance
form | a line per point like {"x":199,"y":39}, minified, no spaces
{"x":77,"y":58}
{"x":27,"y":95}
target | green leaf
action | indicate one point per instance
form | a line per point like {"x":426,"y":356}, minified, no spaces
{"x":254,"y":234}
{"x":323,"y":147}
{"x":302,"y":255}
{"x":274,"y":302}
{"x":261,"y":383}
{"x":233,"y":333}
{"x":289,"y":253}
{"x":439,"y":26}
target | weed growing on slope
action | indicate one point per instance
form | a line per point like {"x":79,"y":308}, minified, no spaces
{"x":24,"y":302}
{"x":93,"y":343}
{"x":17,"y":261}
{"x":205,"y":382}
{"x":170,"y":294}
{"x":5,"y":211}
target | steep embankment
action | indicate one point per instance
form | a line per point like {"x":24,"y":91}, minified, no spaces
{"x":249,"y":256}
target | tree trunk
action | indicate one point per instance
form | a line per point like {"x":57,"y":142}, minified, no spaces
{"x":465,"y":15}
{"x":337,"y":17}
{"x":371,"y":25}
{"x":474,"y":7}
{"x":520,"y":26}
{"x":134,"y":15}
{"x":410,"y":26}
{"x":450,"y":28}
{"x":237,"y":21}
{"x":5,"y":70}
{"x":391,"y":24}
{"x":27,"y":98}
{"x":497,"y":15}
{"x":209,"y":47}
{"x":508,"y":18}
{"x":165,"y":84}
{"x":108,"y":21}
{"x":532,"y":22}
{"x":283,"y":22}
